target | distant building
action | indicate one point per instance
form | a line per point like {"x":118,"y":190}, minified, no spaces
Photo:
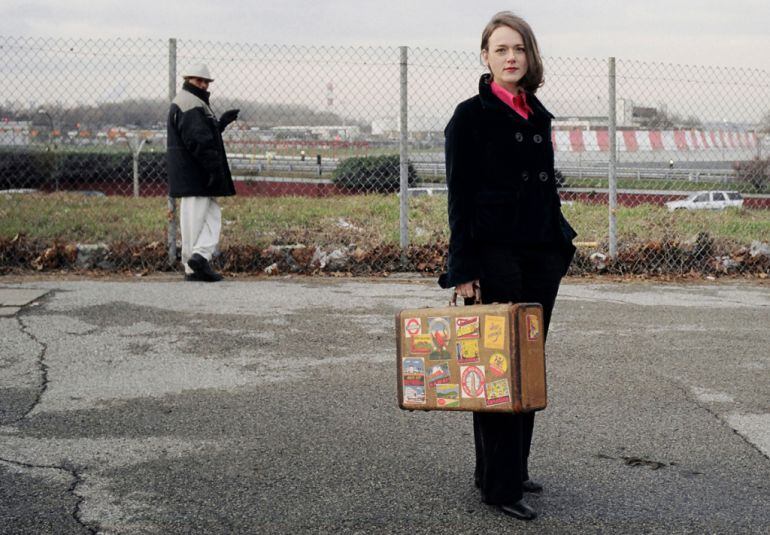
{"x":580,"y":123}
{"x":421,"y":127}
{"x":386,"y":127}
{"x":14,"y":133}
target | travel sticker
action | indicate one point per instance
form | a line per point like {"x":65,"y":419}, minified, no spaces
{"x":497,"y":392}
{"x":472,"y":381}
{"x":413,"y":372}
{"x":533,"y":327}
{"x":467,"y":351}
{"x":448,"y":395}
{"x":494,"y":332}
{"x":412,"y":327}
{"x":414,"y":394}
{"x":467,"y":327}
{"x":438,"y":374}
{"x":420,"y":344}
{"x":439,"y":333}
{"x":498,"y":364}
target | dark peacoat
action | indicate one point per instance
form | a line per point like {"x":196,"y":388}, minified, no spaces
{"x":501,"y":183}
{"x":196,"y":159}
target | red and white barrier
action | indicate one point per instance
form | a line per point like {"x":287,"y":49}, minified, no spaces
{"x":652,"y":140}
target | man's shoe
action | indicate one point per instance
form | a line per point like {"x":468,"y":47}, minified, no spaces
{"x":531,"y":486}
{"x":519,"y":510}
{"x":197,"y":263}
{"x":202,"y":269}
{"x":213,"y":276}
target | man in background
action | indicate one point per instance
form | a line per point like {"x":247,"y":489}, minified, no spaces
{"x":198,"y":171}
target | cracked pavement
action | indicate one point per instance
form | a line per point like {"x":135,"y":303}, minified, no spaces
{"x":268,"y":406}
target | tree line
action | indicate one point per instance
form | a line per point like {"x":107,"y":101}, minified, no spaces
{"x":151,"y":113}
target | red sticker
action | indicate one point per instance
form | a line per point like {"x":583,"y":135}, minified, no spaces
{"x":472,"y":381}
{"x":412,"y":327}
{"x":533,"y":327}
{"x":467,"y":327}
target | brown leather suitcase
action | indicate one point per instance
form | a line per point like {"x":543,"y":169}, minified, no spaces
{"x":485,"y":358}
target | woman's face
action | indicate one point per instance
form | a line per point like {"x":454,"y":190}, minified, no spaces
{"x":506,"y":57}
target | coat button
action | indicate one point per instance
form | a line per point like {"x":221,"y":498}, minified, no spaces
{"x":519,"y":137}
{"x":538,"y":138}
{"x":543,"y":176}
{"x":524,"y":176}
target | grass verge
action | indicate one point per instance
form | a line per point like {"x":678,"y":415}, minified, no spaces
{"x":371,"y":219}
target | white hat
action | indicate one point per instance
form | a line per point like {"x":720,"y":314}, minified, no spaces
{"x":198,"y":70}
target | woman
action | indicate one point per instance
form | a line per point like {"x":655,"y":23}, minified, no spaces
{"x":508,"y":237}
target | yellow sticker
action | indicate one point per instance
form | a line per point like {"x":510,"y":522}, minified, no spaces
{"x":420,"y":344}
{"x":467,"y":327}
{"x":497,"y":392}
{"x":494,"y":332}
{"x":498,"y":364}
{"x":467,"y":351}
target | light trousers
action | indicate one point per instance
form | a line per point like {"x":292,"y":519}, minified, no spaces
{"x":200,"y":220}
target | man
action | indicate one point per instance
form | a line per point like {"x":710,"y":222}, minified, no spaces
{"x":198,"y":171}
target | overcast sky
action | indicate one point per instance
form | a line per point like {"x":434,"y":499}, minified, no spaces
{"x":702,"y":32}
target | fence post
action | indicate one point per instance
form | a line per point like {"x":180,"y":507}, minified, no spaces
{"x":171,"y":237}
{"x":135,"y":160}
{"x":404,"y":160}
{"x":612,"y":171}
{"x":136,"y":144}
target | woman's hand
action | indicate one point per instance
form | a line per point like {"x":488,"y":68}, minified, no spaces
{"x":467,"y":289}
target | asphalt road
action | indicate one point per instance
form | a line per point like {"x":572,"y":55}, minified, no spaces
{"x":268,"y":406}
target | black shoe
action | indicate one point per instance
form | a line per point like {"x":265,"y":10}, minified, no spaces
{"x":531,"y":486}
{"x":519,"y":510}
{"x":193,"y":277}
{"x":202,"y":269}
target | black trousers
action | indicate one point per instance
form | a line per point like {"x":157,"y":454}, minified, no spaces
{"x":503,"y":441}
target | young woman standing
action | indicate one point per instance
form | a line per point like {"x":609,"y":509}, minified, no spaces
{"x":508,"y":237}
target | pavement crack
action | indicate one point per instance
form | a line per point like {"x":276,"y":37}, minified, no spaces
{"x":634,"y":461}
{"x":77,"y":479}
{"x":77,"y":512}
{"x":702,"y":405}
{"x":84,"y":333}
{"x":42,"y":366}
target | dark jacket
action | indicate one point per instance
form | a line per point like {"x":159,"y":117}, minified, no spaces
{"x":197,"y":163}
{"x":500,"y":177}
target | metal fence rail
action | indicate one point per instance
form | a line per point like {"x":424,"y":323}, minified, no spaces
{"x":327,"y":136}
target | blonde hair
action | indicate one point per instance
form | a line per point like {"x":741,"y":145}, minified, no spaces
{"x":534,"y":76}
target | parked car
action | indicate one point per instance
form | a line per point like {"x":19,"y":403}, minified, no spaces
{"x":707,"y":200}
{"x":18,"y":190}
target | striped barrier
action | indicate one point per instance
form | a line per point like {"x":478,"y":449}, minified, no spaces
{"x":577,"y":140}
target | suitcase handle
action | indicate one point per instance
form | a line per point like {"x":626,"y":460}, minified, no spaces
{"x":476,"y":295}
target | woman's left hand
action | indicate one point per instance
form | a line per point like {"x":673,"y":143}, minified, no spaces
{"x":468,"y":289}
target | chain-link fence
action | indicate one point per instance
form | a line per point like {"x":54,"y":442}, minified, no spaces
{"x":327,"y":137}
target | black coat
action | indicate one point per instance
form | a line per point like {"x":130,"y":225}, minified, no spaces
{"x":195,"y":156}
{"x":500,"y":177}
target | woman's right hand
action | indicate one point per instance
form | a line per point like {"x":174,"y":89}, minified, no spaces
{"x":467,"y":289}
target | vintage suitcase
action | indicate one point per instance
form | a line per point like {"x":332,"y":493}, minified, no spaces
{"x":472,"y":358}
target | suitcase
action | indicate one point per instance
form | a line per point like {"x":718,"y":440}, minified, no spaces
{"x":484,"y":358}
